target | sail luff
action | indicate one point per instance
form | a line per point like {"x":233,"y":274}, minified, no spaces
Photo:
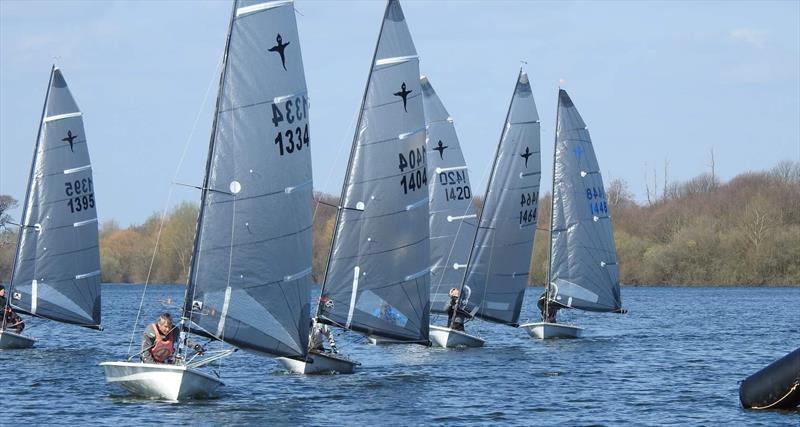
{"x":348,"y":170}
{"x":189,"y":292}
{"x":552,"y":213}
{"x":22,"y":221}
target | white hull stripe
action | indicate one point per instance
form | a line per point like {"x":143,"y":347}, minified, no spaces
{"x":454,"y":168}
{"x":279,"y":99}
{"x":88,"y":221}
{"x":356,"y":273}
{"x":62,"y":117}
{"x":456,"y":218}
{"x":395,"y":60}
{"x":85,"y":275}
{"x":410,"y":134}
{"x":417,"y":274}
{"x":224,"y":314}
{"x":296,"y":276}
{"x":78,"y":169}
{"x":34,"y":295}
{"x":247,"y":10}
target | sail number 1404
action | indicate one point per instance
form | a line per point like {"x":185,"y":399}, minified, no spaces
{"x":415,"y":179}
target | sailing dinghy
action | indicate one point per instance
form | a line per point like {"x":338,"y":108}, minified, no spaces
{"x":499,"y":260}
{"x":377,"y":279}
{"x":56,"y":273}
{"x":452,"y":215}
{"x":250,"y":279}
{"x":583,"y":271}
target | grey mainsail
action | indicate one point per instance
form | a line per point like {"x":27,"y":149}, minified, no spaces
{"x":452,"y":215}
{"x":584,"y":272}
{"x":378,"y":276}
{"x":250,"y":280}
{"x":57,"y":268}
{"x":500,"y":260}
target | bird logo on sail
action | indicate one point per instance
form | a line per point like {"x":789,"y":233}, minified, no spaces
{"x":279,"y":48}
{"x":403,"y":94}
{"x":525,"y":155}
{"x":440,"y":148}
{"x":69,"y":139}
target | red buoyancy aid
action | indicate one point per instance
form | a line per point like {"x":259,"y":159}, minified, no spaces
{"x":162,"y":348}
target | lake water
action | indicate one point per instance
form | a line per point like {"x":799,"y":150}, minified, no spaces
{"x":675,"y":359}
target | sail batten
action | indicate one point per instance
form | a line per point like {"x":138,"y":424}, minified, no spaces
{"x":497,"y":273}
{"x":249,"y":284}
{"x":56,"y":273}
{"x":377,"y":281}
{"x":584,"y":272}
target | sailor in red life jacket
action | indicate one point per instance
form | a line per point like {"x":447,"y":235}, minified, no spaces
{"x":159,"y":339}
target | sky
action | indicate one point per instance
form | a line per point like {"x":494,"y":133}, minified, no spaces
{"x":654,"y":81}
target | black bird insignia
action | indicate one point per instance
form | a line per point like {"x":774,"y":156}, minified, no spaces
{"x":440,"y":148}
{"x":403,"y":94}
{"x":525,"y":155}
{"x":70,"y":137}
{"x":280,"y":47}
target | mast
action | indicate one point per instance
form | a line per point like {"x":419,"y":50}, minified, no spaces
{"x":340,"y":206}
{"x":23,"y":225}
{"x":552,"y":212}
{"x":187,"y":303}
{"x":488,"y":187}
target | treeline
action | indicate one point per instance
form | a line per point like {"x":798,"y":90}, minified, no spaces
{"x":742,"y":232}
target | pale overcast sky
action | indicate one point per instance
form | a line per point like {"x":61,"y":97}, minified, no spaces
{"x":653,"y":80}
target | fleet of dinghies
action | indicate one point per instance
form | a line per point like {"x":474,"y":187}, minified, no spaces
{"x":408,"y":247}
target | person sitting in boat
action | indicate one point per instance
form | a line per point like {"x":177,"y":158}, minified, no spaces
{"x":455,"y":311}
{"x":159,"y":339}
{"x":319,"y":333}
{"x":548,"y":310}
{"x":10,"y":319}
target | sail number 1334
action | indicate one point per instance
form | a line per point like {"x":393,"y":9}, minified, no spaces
{"x":293,"y":111}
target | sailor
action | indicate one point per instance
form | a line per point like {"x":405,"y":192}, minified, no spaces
{"x":455,"y":314}
{"x":548,"y":310}
{"x":159,"y":339}
{"x":10,"y":319}
{"x":319,"y":332}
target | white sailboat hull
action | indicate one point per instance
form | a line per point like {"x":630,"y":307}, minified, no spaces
{"x":323,"y":363}
{"x":160,"y":381}
{"x":13,"y":341}
{"x":544,"y":330}
{"x":449,"y":338}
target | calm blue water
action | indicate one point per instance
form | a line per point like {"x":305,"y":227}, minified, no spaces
{"x":675,"y":359}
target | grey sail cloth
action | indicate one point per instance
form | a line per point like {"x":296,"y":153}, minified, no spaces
{"x":500,"y":261}
{"x":57,"y":269}
{"x":452,"y":215}
{"x":250,"y":279}
{"x":584,"y":270}
{"x":378,"y":277}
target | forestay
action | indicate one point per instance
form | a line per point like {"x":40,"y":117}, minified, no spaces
{"x":584,"y":271}
{"x":452,"y":215}
{"x":500,"y":260}
{"x":57,"y":269}
{"x":378,"y":278}
{"x":250,"y":277}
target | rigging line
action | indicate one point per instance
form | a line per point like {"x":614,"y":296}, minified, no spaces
{"x":169,"y":197}
{"x":342,"y":144}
